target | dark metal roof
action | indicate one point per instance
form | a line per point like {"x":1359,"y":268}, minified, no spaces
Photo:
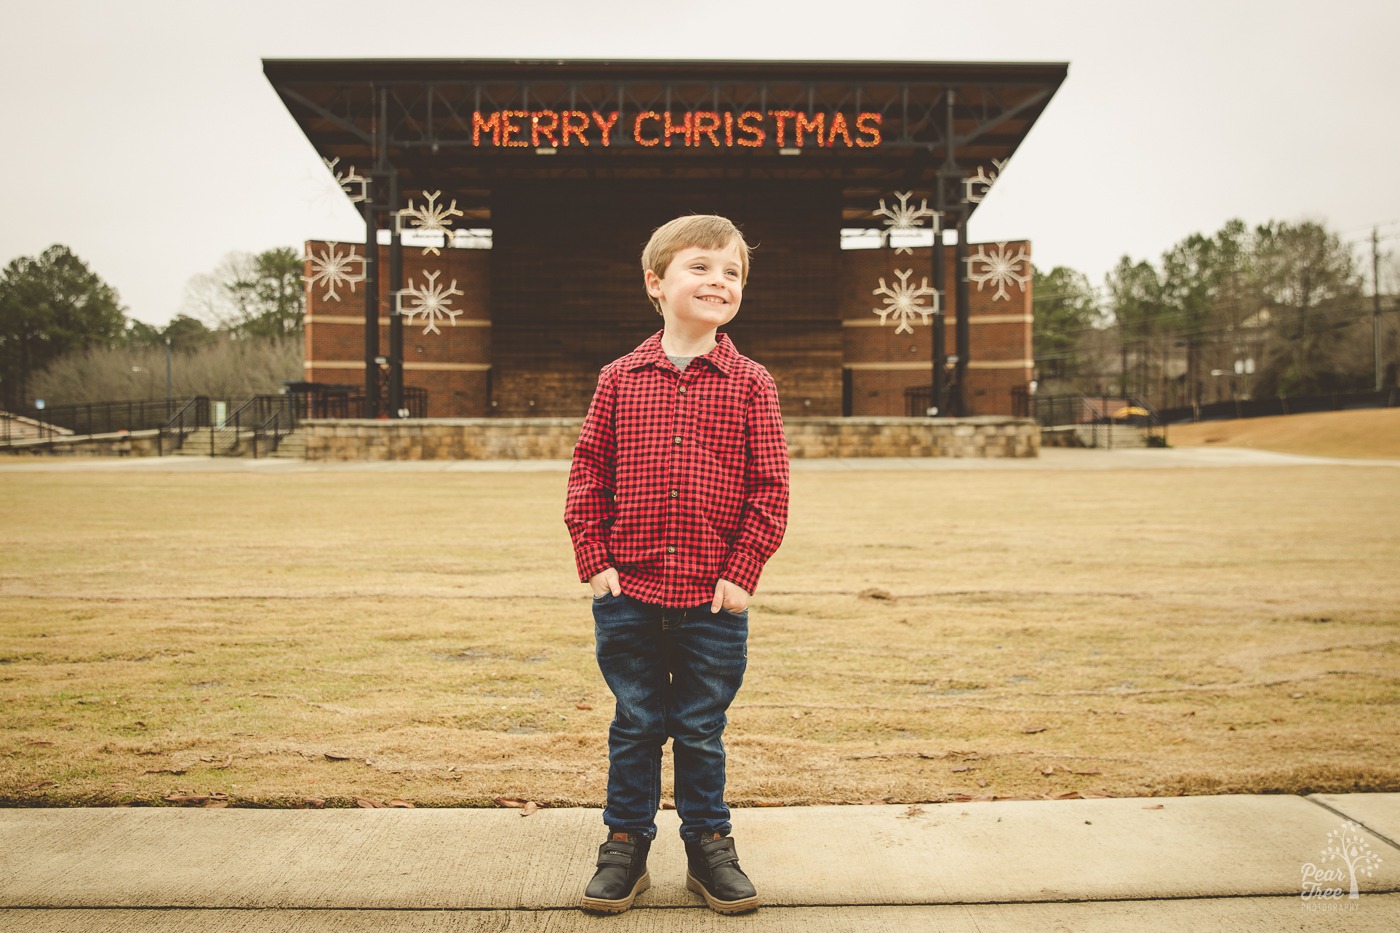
{"x":426,"y":106}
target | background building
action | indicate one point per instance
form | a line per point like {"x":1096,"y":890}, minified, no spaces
{"x":513,"y":199}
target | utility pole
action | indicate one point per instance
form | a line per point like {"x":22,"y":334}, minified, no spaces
{"x":1376,"y":301}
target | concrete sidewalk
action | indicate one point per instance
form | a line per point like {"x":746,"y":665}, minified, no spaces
{"x":1168,"y":864}
{"x":1051,"y":458}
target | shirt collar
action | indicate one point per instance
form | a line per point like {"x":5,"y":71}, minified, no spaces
{"x":722,"y":358}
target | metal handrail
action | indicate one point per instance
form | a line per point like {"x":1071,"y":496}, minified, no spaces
{"x":38,"y":430}
{"x":1152,"y":423}
{"x":1096,"y":417}
{"x":277,"y":433}
{"x":192,"y":416}
{"x":236,"y":420}
{"x":88,"y":418}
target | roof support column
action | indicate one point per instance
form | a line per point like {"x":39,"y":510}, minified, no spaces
{"x":371,"y":409}
{"x":940,"y":285}
{"x":396,"y":406}
{"x":374,"y":191}
{"x":956,"y":402}
{"x":960,"y":407}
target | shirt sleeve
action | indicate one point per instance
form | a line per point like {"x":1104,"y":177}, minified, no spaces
{"x":589,"y":507}
{"x":763,"y":519}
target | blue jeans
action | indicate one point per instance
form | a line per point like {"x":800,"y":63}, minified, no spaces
{"x":674,"y":673}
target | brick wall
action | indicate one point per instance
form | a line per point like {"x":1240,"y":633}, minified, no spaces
{"x":453,"y":364}
{"x":569,"y":297}
{"x":881,"y":364}
{"x":559,"y":295}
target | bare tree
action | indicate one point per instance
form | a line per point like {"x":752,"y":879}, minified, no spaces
{"x":225,"y":368}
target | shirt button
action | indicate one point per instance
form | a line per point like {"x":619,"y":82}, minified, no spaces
{"x":677,"y":439}
{"x":675,"y":493}
{"x":682,"y":390}
{"x":670,"y":549}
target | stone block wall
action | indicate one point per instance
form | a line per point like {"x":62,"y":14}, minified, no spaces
{"x":553,"y":438}
{"x":117,"y":444}
{"x":983,"y":436}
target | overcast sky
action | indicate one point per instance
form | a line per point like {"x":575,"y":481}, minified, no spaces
{"x":144,"y":136}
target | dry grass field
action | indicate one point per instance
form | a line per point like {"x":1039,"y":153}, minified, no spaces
{"x":1372,"y":433}
{"x":322,"y":638}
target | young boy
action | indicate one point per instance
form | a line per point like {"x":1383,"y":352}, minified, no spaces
{"x":677,"y":497}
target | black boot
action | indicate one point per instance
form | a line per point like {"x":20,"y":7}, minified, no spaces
{"x":713,"y":872}
{"x":621,"y":876}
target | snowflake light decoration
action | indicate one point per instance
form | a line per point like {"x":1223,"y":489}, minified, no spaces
{"x":355,"y":185}
{"x":332,"y":268}
{"x":902,"y":301}
{"x":432,"y":217}
{"x":431,"y":301}
{"x":904,"y":217}
{"x":976,"y":187}
{"x":999,"y":267}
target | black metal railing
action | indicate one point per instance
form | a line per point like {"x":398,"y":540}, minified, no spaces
{"x":1282,"y":405}
{"x":190,"y":417}
{"x":324,"y":400}
{"x":52,"y":422}
{"x":918,"y":400}
{"x":1096,"y":416}
{"x":18,"y":428}
{"x":264,"y":420}
{"x":269,"y":434}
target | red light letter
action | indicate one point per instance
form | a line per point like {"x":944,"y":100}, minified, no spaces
{"x":605,"y":124}
{"x":839,"y":128}
{"x":682,"y":129}
{"x":509,"y":129}
{"x":751,"y":122}
{"x":637,"y":127}
{"x":540,"y":126}
{"x":815,"y":125}
{"x":578,"y":129}
{"x":706,"y":122}
{"x":874,"y":131}
{"x":781,"y":116}
{"x":493,"y":124}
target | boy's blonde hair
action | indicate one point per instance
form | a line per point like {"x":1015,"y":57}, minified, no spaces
{"x":702,"y":231}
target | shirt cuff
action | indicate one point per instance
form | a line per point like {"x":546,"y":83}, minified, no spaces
{"x":592,"y":559}
{"x":743,"y":571}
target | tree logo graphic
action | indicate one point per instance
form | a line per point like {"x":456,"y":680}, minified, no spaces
{"x":1346,"y":846}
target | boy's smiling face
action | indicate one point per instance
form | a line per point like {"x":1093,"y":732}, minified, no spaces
{"x":700,"y":290}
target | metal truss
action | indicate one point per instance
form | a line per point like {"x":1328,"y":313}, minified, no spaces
{"x":433,"y":115}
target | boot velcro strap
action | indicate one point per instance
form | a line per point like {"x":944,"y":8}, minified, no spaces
{"x":619,"y":857}
{"x":720,"y":852}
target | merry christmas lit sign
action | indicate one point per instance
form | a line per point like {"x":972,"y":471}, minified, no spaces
{"x":705,"y":129}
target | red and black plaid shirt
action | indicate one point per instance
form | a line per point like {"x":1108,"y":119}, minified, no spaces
{"x":679,"y":479}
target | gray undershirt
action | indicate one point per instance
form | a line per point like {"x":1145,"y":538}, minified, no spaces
{"x":680,"y":362}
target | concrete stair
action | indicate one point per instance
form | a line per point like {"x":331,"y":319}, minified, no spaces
{"x":225,"y":442}
{"x":205,"y":442}
{"x":1112,"y":436}
{"x":293,"y":447}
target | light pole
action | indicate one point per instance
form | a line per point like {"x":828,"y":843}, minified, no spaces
{"x":167,"y":376}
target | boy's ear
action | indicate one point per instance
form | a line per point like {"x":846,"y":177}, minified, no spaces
{"x":653,"y":283}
